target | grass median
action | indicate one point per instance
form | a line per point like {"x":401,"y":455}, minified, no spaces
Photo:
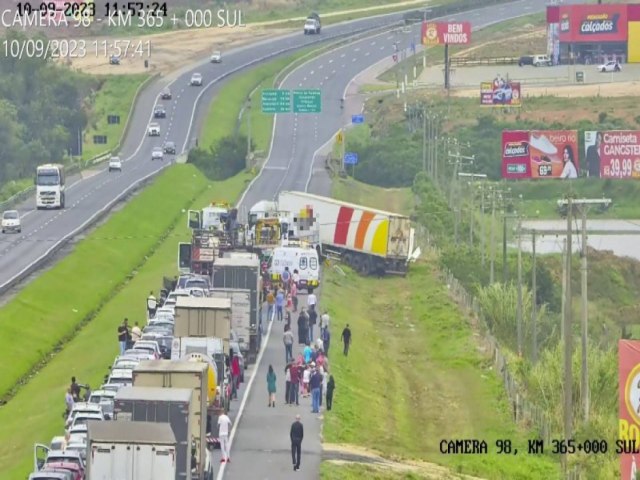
{"x":49,"y":310}
{"x":34,"y":414}
{"x":413,"y":376}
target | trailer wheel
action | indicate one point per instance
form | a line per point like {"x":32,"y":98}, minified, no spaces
{"x":365,"y":266}
{"x":357,"y":263}
{"x":347,"y":259}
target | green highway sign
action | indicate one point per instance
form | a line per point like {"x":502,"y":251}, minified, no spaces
{"x":276,"y":101}
{"x":307,"y":101}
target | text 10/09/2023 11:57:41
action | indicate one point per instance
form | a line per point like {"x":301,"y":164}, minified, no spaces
{"x":89,"y":8}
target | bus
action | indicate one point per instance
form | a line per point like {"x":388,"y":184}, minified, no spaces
{"x":50,"y":189}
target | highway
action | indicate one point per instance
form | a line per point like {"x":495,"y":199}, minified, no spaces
{"x":94,"y":193}
{"x":260,"y":439}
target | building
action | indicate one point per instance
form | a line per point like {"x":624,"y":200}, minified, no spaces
{"x":594,"y":34}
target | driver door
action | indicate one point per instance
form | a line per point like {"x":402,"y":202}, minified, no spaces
{"x":40,"y":453}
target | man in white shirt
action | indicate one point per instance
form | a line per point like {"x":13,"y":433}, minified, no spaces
{"x":136,"y":333}
{"x":152,"y":305}
{"x":312,"y":300}
{"x":224,"y":425}
{"x":324,"y":322}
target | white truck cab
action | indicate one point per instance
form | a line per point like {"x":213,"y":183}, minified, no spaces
{"x":50,"y":186}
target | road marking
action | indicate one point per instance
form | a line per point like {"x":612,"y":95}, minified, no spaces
{"x":310,"y":73}
{"x":381,"y":48}
{"x":331,"y":60}
{"x":366,"y":54}
{"x":304,"y":79}
{"x":357,"y":49}
{"x":353,"y":59}
{"x":373,"y":43}
{"x":333,"y":71}
{"x":275,"y":168}
{"x":342,"y":56}
{"x":320,"y":67}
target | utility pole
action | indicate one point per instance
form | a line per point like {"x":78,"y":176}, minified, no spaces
{"x":248,"y":159}
{"x":492,"y":242}
{"x":519,"y":306}
{"x":568,"y":340}
{"x":482,"y":223}
{"x":424,"y":139}
{"x":454,"y":194}
{"x":472,"y":210}
{"x":564,"y":284}
{"x":534,"y":300}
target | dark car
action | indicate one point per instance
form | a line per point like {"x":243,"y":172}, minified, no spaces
{"x":525,"y":60}
{"x":160,"y":112}
{"x":170,"y":148}
{"x":166,"y":94}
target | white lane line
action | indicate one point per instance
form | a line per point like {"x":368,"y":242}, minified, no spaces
{"x":342,"y":56}
{"x":357,"y":49}
{"x":366,"y":54}
{"x":373,"y":43}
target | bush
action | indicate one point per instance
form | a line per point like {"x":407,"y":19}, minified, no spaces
{"x":223,"y":160}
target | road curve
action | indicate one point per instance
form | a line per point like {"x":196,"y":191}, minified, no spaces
{"x":93,"y":193}
{"x":260,"y":443}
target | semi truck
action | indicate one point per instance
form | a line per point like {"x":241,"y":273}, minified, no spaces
{"x":130,"y":451}
{"x":203,"y":317}
{"x":240,"y":313}
{"x":198,"y":255}
{"x":183,"y":374}
{"x":50,"y":186}
{"x":172,"y":406}
{"x":312,"y":24}
{"x":371,"y":241}
{"x":240,"y":272}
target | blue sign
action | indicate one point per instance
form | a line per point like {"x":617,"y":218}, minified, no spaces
{"x":357,"y":118}
{"x":350,"y":158}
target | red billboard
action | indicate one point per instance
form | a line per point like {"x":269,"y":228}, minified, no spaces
{"x":613,"y":153}
{"x":500,"y":93}
{"x":540,"y":154}
{"x":628,"y":405}
{"x":593,"y":23}
{"x":452,"y":33}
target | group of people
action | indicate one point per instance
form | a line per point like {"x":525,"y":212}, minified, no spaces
{"x":127,"y":335}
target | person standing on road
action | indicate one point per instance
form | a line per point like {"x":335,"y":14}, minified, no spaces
{"x":294,"y":295}
{"x":331,"y":386}
{"x":287,"y":382}
{"x":311,"y":299}
{"x":324,"y":323}
{"x":271,"y":386}
{"x":280,"y":304}
{"x":224,"y":425}
{"x":346,"y":338}
{"x":296,"y":434}
{"x":294,"y":392}
{"x":271,"y":303}
{"x":314,"y":384}
{"x":285,"y":278}
{"x":303,"y":326}
{"x":313,"y":317}
{"x":152,"y":305}
{"x":235,"y":373}
{"x":68,"y":402}
{"x":136,"y":333}
{"x":326,"y":341}
{"x":287,"y":339}
{"x":123,"y":335}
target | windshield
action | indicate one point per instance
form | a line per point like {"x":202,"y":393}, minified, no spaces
{"x":48,"y":179}
{"x":63,"y":459}
{"x":10,"y":215}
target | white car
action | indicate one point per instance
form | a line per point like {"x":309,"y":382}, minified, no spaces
{"x":148,"y":346}
{"x":11,"y":221}
{"x":154,"y":130}
{"x":196,"y":80}
{"x":216,"y":57}
{"x":115,"y":164}
{"x":157,"y":153}
{"x":609,"y":67}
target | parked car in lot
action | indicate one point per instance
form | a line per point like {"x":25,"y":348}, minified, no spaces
{"x":115,"y":164}
{"x":11,"y":221}
{"x":610,"y":67}
{"x":535,"y":60}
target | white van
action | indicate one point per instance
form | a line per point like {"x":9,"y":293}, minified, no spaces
{"x":305,"y":260}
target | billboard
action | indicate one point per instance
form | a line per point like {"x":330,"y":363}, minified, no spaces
{"x":593,"y":23}
{"x":540,"y":154}
{"x":612,"y":153}
{"x":629,"y":404}
{"x":500,"y":93}
{"x":452,"y":33}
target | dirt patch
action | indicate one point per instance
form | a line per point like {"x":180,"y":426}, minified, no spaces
{"x":344,"y":454}
{"x":617,"y":89}
{"x":526,"y":42}
{"x":169,"y":51}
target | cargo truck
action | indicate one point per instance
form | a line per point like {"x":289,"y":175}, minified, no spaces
{"x":240,"y":313}
{"x":203,"y":317}
{"x":130,"y":451}
{"x":243,"y":273}
{"x":371,"y":241}
{"x":161,"y":405}
{"x":181,"y":374}
{"x":181,"y":347}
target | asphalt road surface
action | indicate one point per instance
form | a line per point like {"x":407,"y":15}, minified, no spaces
{"x":94,"y":193}
{"x":260,"y":443}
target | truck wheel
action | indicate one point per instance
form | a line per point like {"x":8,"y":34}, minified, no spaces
{"x":357,"y":263}
{"x":365,"y":266}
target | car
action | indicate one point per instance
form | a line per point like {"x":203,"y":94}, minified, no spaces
{"x":159,"y":112}
{"x":170,"y":148}
{"x":154,"y":130}
{"x":541,"y":60}
{"x":141,"y":354}
{"x":114,"y":60}
{"x":196,"y":80}
{"x":613,"y":66}
{"x":81,"y":408}
{"x":83,"y":418}
{"x":125,"y":363}
{"x":52,"y":475}
{"x":216,"y":57}
{"x":121,"y":376}
{"x":11,"y":221}
{"x":148,"y":346}
{"x":157,"y":153}
{"x":104,"y":398}
{"x":163,"y":340}
{"x":192,"y":280}
{"x":115,"y":164}
{"x":110,"y":387}
{"x":166,"y":94}
{"x":158,"y":329}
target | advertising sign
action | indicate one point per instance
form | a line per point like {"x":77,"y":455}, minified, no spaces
{"x":452,"y":33}
{"x":540,"y":154}
{"x":629,"y":405}
{"x":612,"y":154}
{"x":593,"y":23}
{"x":500,"y":93}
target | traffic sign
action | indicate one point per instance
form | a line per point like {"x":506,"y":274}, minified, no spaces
{"x":276,"y":101}
{"x":307,"y":101}
{"x":339,"y":138}
{"x":350,"y":158}
{"x":357,"y":118}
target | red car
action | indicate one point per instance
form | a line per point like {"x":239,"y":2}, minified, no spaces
{"x":74,"y":468}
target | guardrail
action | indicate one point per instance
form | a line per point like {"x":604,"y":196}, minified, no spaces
{"x":471,"y":61}
{"x":417,"y":16}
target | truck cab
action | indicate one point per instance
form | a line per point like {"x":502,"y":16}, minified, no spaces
{"x":303,"y":259}
{"x":50,"y":186}
{"x":312,"y":24}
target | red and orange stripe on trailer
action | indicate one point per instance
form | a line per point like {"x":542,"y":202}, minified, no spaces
{"x":342,"y":226}
{"x":365,"y":239}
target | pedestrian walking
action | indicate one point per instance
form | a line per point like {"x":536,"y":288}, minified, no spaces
{"x":294,"y":392}
{"x":331,"y":386}
{"x":326,"y":341}
{"x":296,"y":434}
{"x":271,"y":386}
{"x":280,"y":299}
{"x":303,"y":326}
{"x":287,"y":339}
{"x":314,"y":384}
{"x":324,"y":323}
{"x":235,"y":373}
{"x":68,"y":402}
{"x":313,"y":318}
{"x":346,"y":338}
{"x":311,"y":299}
{"x":287,"y":382}
{"x":152,"y":305}
{"x":285,"y":277}
{"x":75,"y":390}
{"x":123,"y":335}
{"x":294,"y":294}
{"x":224,"y":425}
{"x":271,"y":303}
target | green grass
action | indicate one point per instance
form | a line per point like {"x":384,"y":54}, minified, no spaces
{"x":356,"y":471}
{"x":13,"y":187}
{"x":396,"y":200}
{"x":222,"y":119}
{"x":34,"y":414}
{"x":51,"y":308}
{"x":114,"y":98}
